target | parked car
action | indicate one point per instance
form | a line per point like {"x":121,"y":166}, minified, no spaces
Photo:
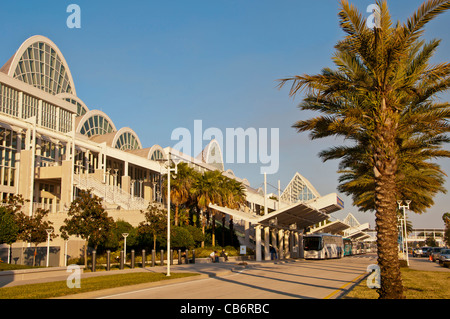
{"x":425,"y":251}
{"x":444,"y":257}
{"x":434,"y":253}
{"x":417,"y":252}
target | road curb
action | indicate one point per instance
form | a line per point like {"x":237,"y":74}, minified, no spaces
{"x":344,"y":290}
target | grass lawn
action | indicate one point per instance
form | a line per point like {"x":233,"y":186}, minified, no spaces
{"x":59,"y":288}
{"x":5,"y":266}
{"x":418,"y":285}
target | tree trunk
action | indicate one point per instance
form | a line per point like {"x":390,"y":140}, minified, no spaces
{"x":223,"y":230}
{"x":231,"y":230}
{"x":385,"y":157}
{"x":34,"y":255}
{"x":176,"y":216}
{"x":387,"y":236}
{"x":203,"y":227}
{"x":85,"y":254}
{"x":213,"y":239}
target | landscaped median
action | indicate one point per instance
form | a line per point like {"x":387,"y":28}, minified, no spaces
{"x":418,"y":285}
{"x":61,"y":289}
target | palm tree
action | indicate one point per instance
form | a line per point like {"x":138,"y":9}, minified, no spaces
{"x":382,"y":100}
{"x":179,"y":187}
{"x":233,"y":196}
{"x":212,"y":187}
{"x":205,"y":190}
{"x":233,"y":193}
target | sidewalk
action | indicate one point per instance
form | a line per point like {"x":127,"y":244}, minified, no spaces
{"x":203,"y":268}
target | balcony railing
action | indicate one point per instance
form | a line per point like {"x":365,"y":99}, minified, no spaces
{"x":111,"y":194}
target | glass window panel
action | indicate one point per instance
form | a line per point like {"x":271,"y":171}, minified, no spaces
{"x":6,"y":176}
{"x":11,"y":176}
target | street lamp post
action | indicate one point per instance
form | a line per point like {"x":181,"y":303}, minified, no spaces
{"x":125,"y":235}
{"x":49,"y":231}
{"x":405,"y":236}
{"x":168,"y":207}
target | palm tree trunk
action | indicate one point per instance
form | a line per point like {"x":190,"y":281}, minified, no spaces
{"x":231,"y":230}
{"x":203,"y":227}
{"x":176,"y":216}
{"x":223,"y":230}
{"x":386,"y":207}
{"x":213,"y":239}
{"x":387,"y":235}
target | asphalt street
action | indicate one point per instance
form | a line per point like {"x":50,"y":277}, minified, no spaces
{"x":290,"y":279}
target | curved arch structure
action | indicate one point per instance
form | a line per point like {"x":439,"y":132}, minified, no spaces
{"x":40,"y":63}
{"x":95,"y":122}
{"x":126,"y":139}
{"x":153,"y":153}
{"x":212,"y":154}
{"x":81,"y":107}
{"x":156,"y":152}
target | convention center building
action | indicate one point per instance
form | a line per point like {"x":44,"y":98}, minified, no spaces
{"x":52,"y":145}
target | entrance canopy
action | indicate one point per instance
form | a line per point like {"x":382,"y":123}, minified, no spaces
{"x":357,"y":235}
{"x":332,"y":228}
{"x":300,"y":214}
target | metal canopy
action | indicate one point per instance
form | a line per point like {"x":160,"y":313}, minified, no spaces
{"x":332,"y":228}
{"x":300,"y":214}
{"x":250,"y":217}
{"x":357,"y":235}
{"x":327,"y":204}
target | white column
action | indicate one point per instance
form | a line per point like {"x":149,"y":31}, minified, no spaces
{"x":297,"y":244}
{"x":266,"y":243}
{"x":287,"y":253}
{"x":280,"y":244}
{"x":274,"y":241}
{"x":32,"y":167}
{"x":125,"y":168}
{"x":258,"y":242}
{"x":247,"y":233}
{"x":300,"y":242}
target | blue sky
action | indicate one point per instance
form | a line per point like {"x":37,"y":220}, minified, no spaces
{"x":159,"y":65}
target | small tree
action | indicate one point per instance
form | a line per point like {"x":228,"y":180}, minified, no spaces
{"x":8,"y":226}
{"x":115,"y":238}
{"x":9,"y":223}
{"x":87,"y":220}
{"x":155,"y":222}
{"x":33,"y":229}
{"x":181,"y":237}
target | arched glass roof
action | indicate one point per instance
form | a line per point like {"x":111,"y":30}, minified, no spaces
{"x":156,"y":152}
{"x":212,"y":154}
{"x":39,"y":62}
{"x":81,"y":107}
{"x":126,"y":139}
{"x":95,"y":122}
{"x":96,"y":125}
{"x":157,"y":155}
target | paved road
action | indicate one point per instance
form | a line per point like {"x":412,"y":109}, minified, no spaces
{"x":422,"y":263}
{"x":304,"y":279}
